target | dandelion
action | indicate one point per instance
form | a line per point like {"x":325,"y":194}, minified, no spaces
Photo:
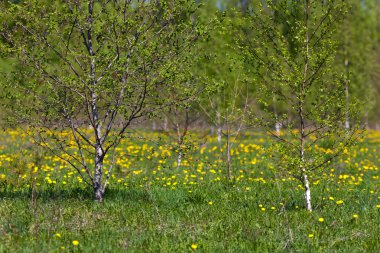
{"x":210,"y":203}
{"x":378,"y":206}
{"x":194,"y":246}
{"x":75,"y":243}
{"x":263,"y":209}
{"x":339,"y":202}
{"x":321,"y":219}
{"x":58,"y":235}
{"x":355,"y":216}
{"x":310,"y":235}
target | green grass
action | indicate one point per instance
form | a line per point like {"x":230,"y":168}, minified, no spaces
{"x":142,"y":214}
{"x":158,"y":219}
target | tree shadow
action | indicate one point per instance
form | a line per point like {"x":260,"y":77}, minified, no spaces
{"x":77,"y":194}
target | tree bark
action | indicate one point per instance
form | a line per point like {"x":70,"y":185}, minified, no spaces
{"x":179,"y":146}
{"x":347,"y":74}
{"x":219,"y":130}
{"x":228,"y":154}
{"x":302,"y":99}
{"x":98,"y":188}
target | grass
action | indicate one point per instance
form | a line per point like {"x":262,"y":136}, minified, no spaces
{"x":155,"y":208}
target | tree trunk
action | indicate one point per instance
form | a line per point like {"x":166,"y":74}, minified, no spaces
{"x":228,"y":153}
{"x":347,"y":122}
{"x":179,"y":158}
{"x":278,"y":126}
{"x":307,"y":192}
{"x":219,"y":130}
{"x":347,"y":74}
{"x":165,"y":123}
{"x":179,"y":145}
{"x":98,"y":188}
{"x":302,"y":101}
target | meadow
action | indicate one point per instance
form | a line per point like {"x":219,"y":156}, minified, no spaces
{"x":152,"y":205}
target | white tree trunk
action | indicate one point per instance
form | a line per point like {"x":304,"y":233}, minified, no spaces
{"x":228,"y":153}
{"x":219,"y":130}
{"x":179,"y":158}
{"x":347,"y":123}
{"x":278,"y":126}
{"x":165,"y":123}
{"x":307,"y":192}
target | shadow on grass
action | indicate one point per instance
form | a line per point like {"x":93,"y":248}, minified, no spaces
{"x":78,"y":194}
{"x":154,"y":196}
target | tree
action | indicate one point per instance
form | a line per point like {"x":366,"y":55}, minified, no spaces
{"x":357,"y":56}
{"x":297,"y":67}
{"x":181,"y":118}
{"x":101,"y":64}
{"x":227,"y":96}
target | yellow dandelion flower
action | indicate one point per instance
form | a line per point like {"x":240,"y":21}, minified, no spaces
{"x":75,"y":243}
{"x":355,"y":216}
{"x":339,"y":202}
{"x":310,"y":235}
{"x":321,"y":219}
{"x":194,"y":246}
{"x":210,"y":203}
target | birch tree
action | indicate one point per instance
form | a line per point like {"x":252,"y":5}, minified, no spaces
{"x":298,"y":68}
{"x":357,"y":55}
{"x":97,"y":64}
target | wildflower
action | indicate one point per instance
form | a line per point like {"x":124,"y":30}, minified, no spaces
{"x":58,"y":235}
{"x":263,"y":209}
{"x":2,"y":176}
{"x":310,"y":235}
{"x":339,"y":202}
{"x":355,"y":216}
{"x":194,"y":246}
{"x":321,"y":219}
{"x":378,"y":206}
{"x":210,"y":203}
{"x":75,"y":243}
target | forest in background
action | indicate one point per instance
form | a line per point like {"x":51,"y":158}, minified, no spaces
{"x":221,"y":72}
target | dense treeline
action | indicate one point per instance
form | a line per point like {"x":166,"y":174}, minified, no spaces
{"x":304,"y":71}
{"x":219,"y":61}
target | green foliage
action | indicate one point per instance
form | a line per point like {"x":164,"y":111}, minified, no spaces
{"x":98,"y":64}
{"x":294,"y":49}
